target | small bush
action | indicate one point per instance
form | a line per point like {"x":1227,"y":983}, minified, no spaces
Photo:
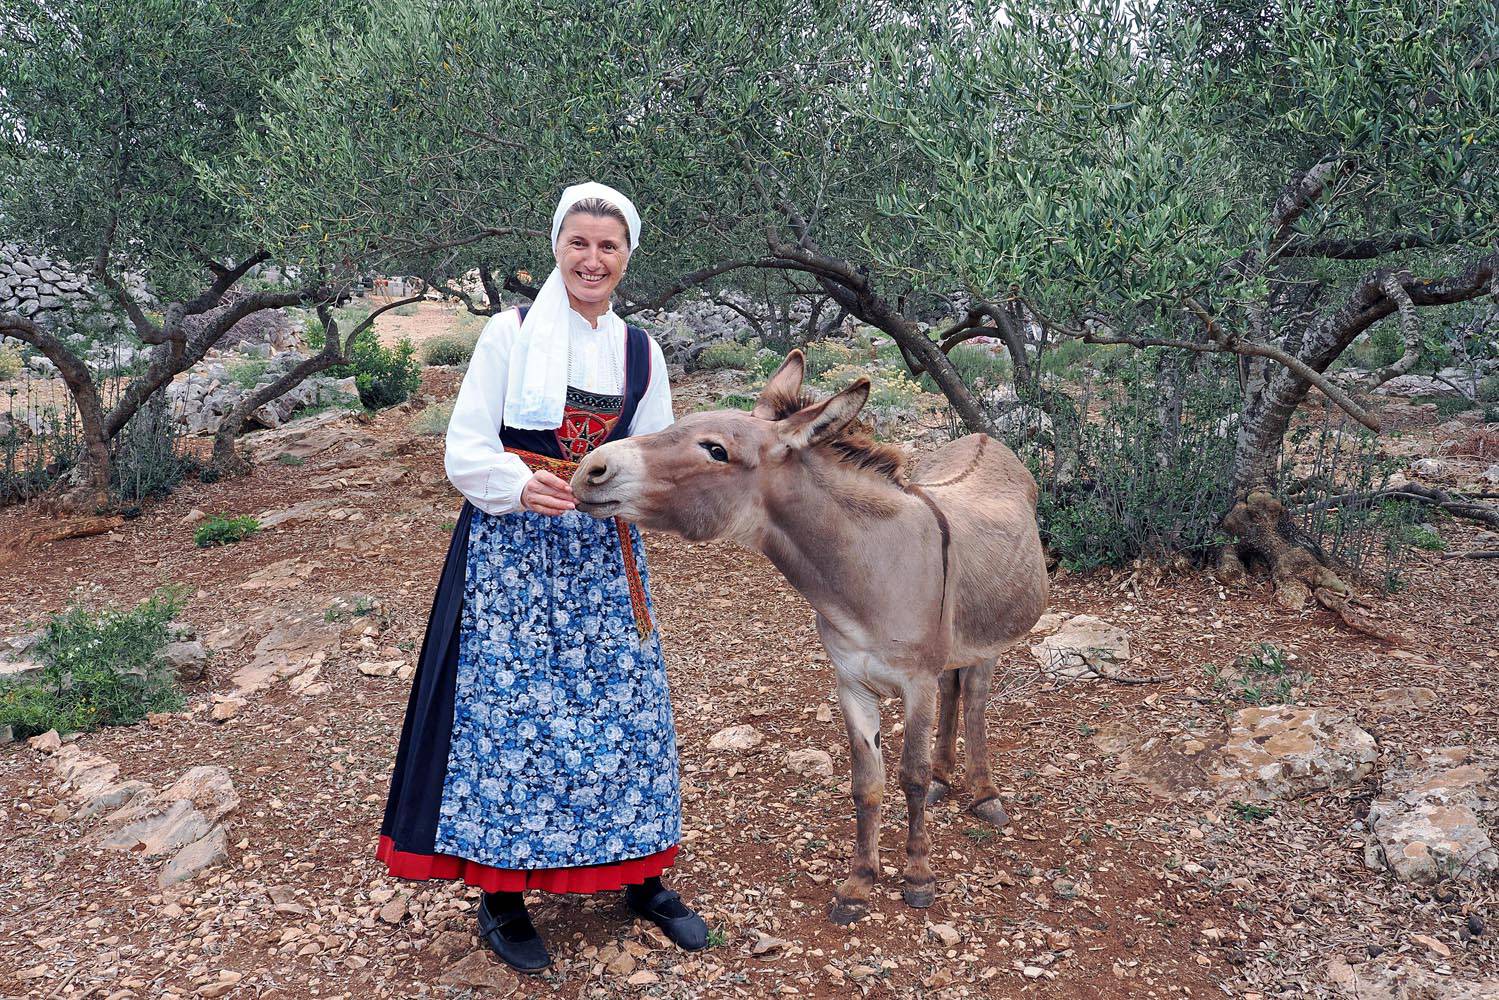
{"x":1062,"y":358}
{"x":385,"y":375}
{"x":433,"y":421}
{"x":148,"y":455}
{"x":247,"y":373}
{"x":1128,"y":484}
{"x":1451,"y":406}
{"x":10,"y":362}
{"x":726,"y":354}
{"x":1259,"y":677}
{"x":101,"y":669}
{"x":449,"y":349}
{"x":218,"y":530}
{"x":287,"y":458}
{"x":980,"y":367}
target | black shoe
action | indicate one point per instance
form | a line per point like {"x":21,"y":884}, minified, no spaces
{"x":664,"y":908}
{"x":511,"y":935}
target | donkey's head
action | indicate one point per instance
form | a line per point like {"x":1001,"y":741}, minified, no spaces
{"x":716,"y":474}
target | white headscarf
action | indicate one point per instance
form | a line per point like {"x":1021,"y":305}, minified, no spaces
{"x":536,"y":386}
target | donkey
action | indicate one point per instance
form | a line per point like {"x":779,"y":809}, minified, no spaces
{"x":918,"y":585}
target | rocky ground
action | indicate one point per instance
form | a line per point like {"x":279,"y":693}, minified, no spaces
{"x":1170,"y":837}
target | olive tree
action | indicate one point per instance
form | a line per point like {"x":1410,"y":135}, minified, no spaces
{"x":1117,"y":175}
{"x":108,"y":115}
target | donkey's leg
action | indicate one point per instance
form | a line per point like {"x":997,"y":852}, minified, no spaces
{"x":919,"y":700}
{"x":976,"y":681}
{"x":945,"y":756}
{"x":861,"y":714}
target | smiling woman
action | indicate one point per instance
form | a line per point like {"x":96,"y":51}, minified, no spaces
{"x":538,"y":750}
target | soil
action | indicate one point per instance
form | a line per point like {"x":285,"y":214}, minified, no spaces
{"x":1099,"y":887}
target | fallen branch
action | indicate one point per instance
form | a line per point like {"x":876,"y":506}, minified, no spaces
{"x":30,"y":538}
{"x":1473,"y":554}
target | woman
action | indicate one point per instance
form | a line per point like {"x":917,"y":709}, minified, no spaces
{"x":538,"y":750}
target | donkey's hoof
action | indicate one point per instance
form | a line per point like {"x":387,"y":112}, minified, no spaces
{"x":992,"y":812}
{"x":937,"y":791}
{"x":920,"y":896}
{"x":848,"y":911}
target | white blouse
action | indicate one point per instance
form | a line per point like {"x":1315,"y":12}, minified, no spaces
{"x":476,"y":463}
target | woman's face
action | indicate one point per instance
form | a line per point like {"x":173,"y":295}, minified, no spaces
{"x":592,"y":252}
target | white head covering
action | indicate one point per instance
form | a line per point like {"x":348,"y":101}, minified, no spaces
{"x":536,"y":386}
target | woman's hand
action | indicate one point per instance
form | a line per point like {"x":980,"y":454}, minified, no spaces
{"x":545,"y":493}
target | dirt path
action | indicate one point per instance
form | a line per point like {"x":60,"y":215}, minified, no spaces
{"x":1096,"y":889}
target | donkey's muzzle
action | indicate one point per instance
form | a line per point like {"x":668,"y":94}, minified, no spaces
{"x":594,"y":471}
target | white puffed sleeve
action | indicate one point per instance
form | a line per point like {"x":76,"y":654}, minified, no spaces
{"x":653,"y":413}
{"x":476,"y":463}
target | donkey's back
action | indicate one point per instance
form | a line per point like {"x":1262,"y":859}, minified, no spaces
{"x":998,"y":583}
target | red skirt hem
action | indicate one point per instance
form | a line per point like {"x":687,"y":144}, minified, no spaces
{"x":584,"y":879}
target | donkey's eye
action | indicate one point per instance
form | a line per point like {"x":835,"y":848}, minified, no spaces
{"x":715,"y":451}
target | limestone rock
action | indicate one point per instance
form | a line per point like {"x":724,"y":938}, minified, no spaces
{"x":1280,"y":750}
{"x":1431,"y":468}
{"x":481,"y":973}
{"x":48,"y":742}
{"x":225,"y":709}
{"x":1083,"y":647}
{"x":188,"y":660}
{"x":194,"y":858}
{"x":20,"y":671}
{"x":1406,"y":981}
{"x":1429,"y":822}
{"x":742,"y":737}
{"x":1419,"y":385}
{"x":812,"y":762}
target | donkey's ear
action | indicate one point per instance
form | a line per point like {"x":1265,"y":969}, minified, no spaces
{"x":784,"y":387}
{"x":827,"y":419}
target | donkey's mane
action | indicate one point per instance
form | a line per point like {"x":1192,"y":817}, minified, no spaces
{"x":853,"y":446}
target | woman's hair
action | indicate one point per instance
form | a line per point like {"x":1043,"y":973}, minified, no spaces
{"x":600,"y":208}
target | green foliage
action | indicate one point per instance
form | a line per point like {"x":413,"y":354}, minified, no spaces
{"x":10,"y":362}
{"x":1423,"y":537}
{"x":220,"y":530}
{"x":1130,"y":482}
{"x":148,"y":457}
{"x":101,"y":669}
{"x":123,"y":104}
{"x":433,"y":421}
{"x":385,"y":375}
{"x":247,"y":373}
{"x":1360,"y":532}
{"x":727,"y":354}
{"x":287,"y":458}
{"x":1259,"y":677}
{"x":449,"y":349}
{"x":1251,"y":812}
{"x":343,"y":609}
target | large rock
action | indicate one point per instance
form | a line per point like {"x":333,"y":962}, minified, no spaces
{"x":188,"y":660}
{"x":194,"y":858}
{"x":1429,"y":822}
{"x":1405,"y":981}
{"x":20,"y":671}
{"x":1419,"y":385}
{"x":1280,"y":750}
{"x":743,"y":737}
{"x":810,"y":762}
{"x":174,"y":817}
{"x":1083,"y":647}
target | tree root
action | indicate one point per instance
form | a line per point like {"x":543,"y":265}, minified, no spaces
{"x":1266,"y":536}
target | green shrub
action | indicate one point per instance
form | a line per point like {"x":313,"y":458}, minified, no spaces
{"x":10,"y":362}
{"x":100,"y":669}
{"x":246,"y":374}
{"x":385,"y":376}
{"x":449,"y":349}
{"x":980,"y":367}
{"x":219,"y":530}
{"x":1260,"y":677}
{"x":287,"y":458}
{"x":1125,"y":485}
{"x":433,"y":421}
{"x":148,"y":458}
{"x":1064,"y":357}
{"x":726,"y":354}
